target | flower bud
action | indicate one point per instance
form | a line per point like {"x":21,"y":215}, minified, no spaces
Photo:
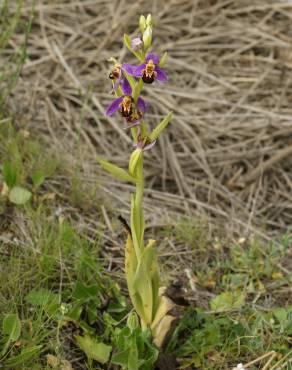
{"x":142,"y":23}
{"x":147,"y":37}
{"x":132,"y":321}
{"x":149,"y":20}
{"x":136,"y":44}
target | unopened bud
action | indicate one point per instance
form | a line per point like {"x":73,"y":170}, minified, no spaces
{"x":142,"y":23}
{"x":133,"y":321}
{"x":149,"y":20}
{"x":136,"y":44}
{"x":147,"y":37}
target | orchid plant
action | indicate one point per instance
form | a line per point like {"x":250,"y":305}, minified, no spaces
{"x":141,"y":266}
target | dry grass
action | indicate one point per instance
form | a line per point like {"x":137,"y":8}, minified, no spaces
{"x":226,"y":159}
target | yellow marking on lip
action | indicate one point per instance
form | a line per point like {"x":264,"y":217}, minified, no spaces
{"x":150,"y":68}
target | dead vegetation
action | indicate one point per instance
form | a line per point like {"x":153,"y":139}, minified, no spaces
{"x":226,"y":158}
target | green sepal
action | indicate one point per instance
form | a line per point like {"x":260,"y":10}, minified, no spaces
{"x":131,"y":80}
{"x":160,"y":127}
{"x":116,"y":171}
{"x":127,"y":41}
{"x":163,"y":59}
{"x":134,"y":160}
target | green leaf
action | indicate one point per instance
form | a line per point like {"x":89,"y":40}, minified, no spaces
{"x":45,"y":299}
{"x":134,"y":160}
{"x":41,"y":297}
{"x":11,"y":328}
{"x":160,"y":127}
{"x":121,"y":358}
{"x":38,"y":178}
{"x":19,"y":195}
{"x":143,"y":283}
{"x":163,"y":60}
{"x":281,"y":314}
{"x":26,"y":354}
{"x":228,"y":301}
{"x":10,"y":174}
{"x":116,"y":171}
{"x":94,"y":350}
{"x":84,"y":293}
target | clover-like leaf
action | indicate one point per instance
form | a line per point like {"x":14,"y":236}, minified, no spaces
{"x":19,"y":195}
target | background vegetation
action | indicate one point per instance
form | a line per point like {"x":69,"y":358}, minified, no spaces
{"x":219,"y":183}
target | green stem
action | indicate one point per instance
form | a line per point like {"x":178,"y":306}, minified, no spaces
{"x":139,"y":203}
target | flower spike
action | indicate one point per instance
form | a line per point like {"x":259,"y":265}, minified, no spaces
{"x":141,"y":266}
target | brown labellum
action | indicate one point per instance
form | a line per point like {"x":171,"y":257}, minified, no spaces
{"x":115,"y":73}
{"x":127,"y":106}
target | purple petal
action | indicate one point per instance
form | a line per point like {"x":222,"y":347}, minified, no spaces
{"x":126,"y":88}
{"x":138,"y":70}
{"x":149,"y":146}
{"x":133,"y":124}
{"x":128,"y":68}
{"x":142,"y":106}
{"x":161,"y":75}
{"x":114,"y":106}
{"x":154,"y":57}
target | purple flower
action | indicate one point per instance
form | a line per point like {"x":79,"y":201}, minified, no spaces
{"x":117,"y":75}
{"x":133,"y":113}
{"x":138,"y":113}
{"x":149,"y":71}
{"x":136,"y":44}
{"x":124,"y":104}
